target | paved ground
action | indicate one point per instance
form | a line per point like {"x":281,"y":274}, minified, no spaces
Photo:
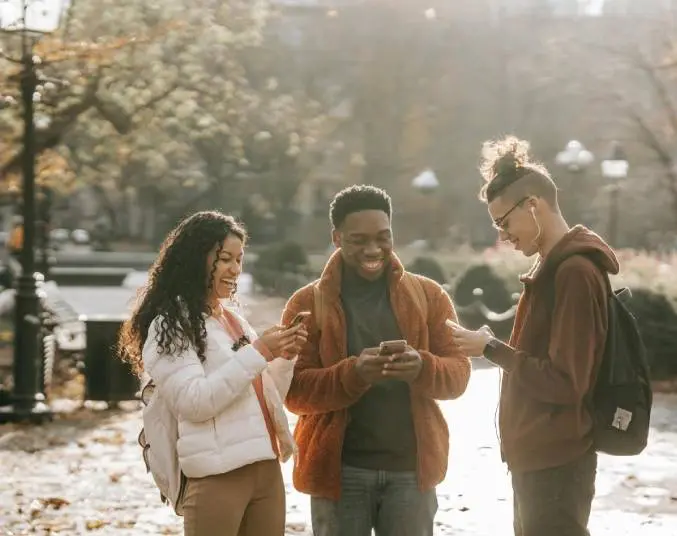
{"x":83,"y":473}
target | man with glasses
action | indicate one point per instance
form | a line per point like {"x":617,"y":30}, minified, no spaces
{"x":555,"y":350}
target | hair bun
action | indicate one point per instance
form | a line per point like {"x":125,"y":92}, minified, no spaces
{"x":506,"y":165}
{"x":506,"y":158}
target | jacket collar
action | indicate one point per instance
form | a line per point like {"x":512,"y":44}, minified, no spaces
{"x":330,"y":280}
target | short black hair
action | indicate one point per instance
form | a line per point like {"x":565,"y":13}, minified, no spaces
{"x":510,"y":172}
{"x":357,"y":198}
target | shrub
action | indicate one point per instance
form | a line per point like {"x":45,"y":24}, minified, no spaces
{"x":428,"y":267}
{"x":657,"y":320}
{"x":285,"y":257}
{"x":495,"y":295}
{"x":281,"y":269}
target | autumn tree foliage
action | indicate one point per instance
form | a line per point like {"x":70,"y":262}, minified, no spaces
{"x":158,"y":99}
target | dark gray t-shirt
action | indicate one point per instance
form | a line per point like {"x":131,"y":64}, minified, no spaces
{"x":380,"y":433}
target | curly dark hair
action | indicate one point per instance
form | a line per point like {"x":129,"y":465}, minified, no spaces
{"x":177,"y":289}
{"x":357,"y":198}
{"x":507,"y":162}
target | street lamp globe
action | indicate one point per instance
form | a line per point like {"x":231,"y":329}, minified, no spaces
{"x":426,"y":182}
{"x":430,"y":13}
{"x":575,"y":157}
{"x":615,"y":166}
{"x":38,"y":16}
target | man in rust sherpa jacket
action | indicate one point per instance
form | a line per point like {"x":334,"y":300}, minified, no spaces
{"x":372,"y":441}
{"x":556,"y":348}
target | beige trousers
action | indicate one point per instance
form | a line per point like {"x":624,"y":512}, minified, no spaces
{"x":249,"y":501}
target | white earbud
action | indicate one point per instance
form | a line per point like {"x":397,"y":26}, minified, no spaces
{"x":537,"y":239}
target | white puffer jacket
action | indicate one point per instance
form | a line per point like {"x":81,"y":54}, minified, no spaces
{"x":220,"y":423}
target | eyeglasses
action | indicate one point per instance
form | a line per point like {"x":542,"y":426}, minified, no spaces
{"x":499,"y":223}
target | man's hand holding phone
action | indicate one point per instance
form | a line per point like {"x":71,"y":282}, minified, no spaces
{"x":392,"y":360}
{"x":369,"y":365}
{"x":404,"y":364}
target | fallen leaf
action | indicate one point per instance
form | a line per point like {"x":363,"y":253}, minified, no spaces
{"x":95,"y":524}
{"x":35,"y":508}
{"x":116,"y":439}
{"x":55,"y":502}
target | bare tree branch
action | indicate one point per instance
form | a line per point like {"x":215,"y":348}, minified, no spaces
{"x":663,"y":94}
{"x":651,"y":140}
{"x":157,"y":98}
{"x":121,"y":119}
{"x":9,"y":58}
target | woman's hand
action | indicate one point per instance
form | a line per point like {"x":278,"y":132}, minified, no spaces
{"x":284,"y":342}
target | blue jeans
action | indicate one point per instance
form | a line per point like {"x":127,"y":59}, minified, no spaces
{"x":388,"y":502}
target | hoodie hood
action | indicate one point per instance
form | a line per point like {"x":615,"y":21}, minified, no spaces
{"x":578,"y":241}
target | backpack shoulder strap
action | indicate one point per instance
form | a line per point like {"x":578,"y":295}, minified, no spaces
{"x":551,"y":283}
{"x":415,"y":288}
{"x":318,"y":300}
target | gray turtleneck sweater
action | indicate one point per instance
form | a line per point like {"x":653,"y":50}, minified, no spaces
{"x":380,"y":433}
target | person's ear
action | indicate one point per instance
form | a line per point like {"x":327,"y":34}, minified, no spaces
{"x":336,"y":238}
{"x":533,"y":205}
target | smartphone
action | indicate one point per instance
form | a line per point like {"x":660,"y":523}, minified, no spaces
{"x":300,"y":317}
{"x":392,"y":347}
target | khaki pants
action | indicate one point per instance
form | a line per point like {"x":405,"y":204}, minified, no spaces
{"x":249,"y":501}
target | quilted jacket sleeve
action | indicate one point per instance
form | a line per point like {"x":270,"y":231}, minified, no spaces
{"x":280,"y":369}
{"x":181,"y":378}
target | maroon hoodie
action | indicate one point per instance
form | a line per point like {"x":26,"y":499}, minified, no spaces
{"x":554,"y":354}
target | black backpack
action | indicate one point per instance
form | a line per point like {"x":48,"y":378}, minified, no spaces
{"x":621,"y":399}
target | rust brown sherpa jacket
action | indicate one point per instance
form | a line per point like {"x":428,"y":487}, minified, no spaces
{"x":325,"y":382}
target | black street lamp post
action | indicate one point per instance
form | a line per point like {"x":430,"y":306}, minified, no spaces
{"x":44,"y":208}
{"x":427,"y":183}
{"x":29,"y":19}
{"x":576,"y":159}
{"x":615,"y":169}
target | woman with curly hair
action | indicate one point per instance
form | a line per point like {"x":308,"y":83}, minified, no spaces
{"x":222,"y":386}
